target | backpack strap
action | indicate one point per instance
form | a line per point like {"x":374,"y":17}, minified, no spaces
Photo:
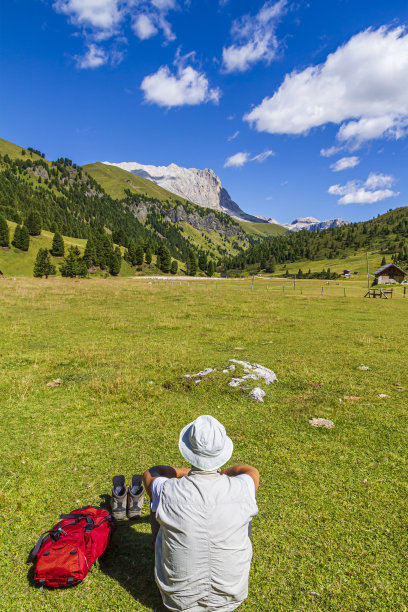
{"x":37,"y":547}
{"x":79,"y":517}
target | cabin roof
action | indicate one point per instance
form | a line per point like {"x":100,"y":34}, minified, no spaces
{"x":390,"y":265}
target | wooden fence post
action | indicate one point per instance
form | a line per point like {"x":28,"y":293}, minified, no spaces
{"x":345,"y":294}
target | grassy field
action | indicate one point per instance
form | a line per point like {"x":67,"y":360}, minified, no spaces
{"x":14,"y":262}
{"x":265,"y":230}
{"x":331,"y":534}
{"x":14,"y":151}
{"x":356,"y":262}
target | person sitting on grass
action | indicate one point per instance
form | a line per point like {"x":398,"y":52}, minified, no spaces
{"x":201,"y":519}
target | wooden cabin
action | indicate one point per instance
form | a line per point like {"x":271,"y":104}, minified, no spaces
{"x":389,"y":274}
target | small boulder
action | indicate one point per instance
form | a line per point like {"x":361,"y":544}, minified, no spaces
{"x":363,"y":367}
{"x":321,"y":423}
{"x":257,"y":394}
{"x":54,"y":383}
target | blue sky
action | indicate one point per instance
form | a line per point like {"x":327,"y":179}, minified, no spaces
{"x":300,"y":107}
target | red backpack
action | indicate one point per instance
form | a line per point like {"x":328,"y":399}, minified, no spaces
{"x":65,"y":553}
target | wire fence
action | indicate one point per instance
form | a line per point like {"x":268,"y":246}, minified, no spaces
{"x":278,"y":287}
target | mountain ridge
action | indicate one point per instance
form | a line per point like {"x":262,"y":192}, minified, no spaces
{"x":203,"y":187}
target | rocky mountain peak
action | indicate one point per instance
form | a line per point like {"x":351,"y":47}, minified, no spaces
{"x":203,"y":187}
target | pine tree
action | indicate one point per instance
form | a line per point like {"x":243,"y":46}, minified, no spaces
{"x":116,"y":262}
{"x":131,"y":256}
{"x":24,"y":238}
{"x":210,"y":268}
{"x":174,"y":266}
{"x":43,"y":265}
{"x":139,"y":254}
{"x":165,"y":259}
{"x":73,"y":265}
{"x":158,"y":260}
{"x":114,"y":267}
{"x":202,"y":262}
{"x":34,"y":223}
{"x":104,"y":250}
{"x":58,"y":247}
{"x":90,"y":252}
{"x":16,"y":238}
{"x":4,"y":233}
{"x":191,"y":264}
{"x":148,"y":255}
{"x":383,"y":261}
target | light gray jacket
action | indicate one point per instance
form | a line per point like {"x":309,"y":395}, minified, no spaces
{"x":203,"y":549}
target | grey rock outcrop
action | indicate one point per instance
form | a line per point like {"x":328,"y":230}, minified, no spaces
{"x":208,"y":222}
{"x":39,"y":172}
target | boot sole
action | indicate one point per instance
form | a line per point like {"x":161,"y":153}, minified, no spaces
{"x":119,"y":516}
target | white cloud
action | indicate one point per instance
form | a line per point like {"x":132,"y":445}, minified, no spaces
{"x":330,"y":151}
{"x":164,"y":5}
{"x":344,"y":163}
{"x":98,"y":14}
{"x":101,"y":20}
{"x":235,"y":134}
{"x":237,"y":160}
{"x":379,"y":180}
{"x":241,"y":158}
{"x":254,"y":38}
{"x":262,"y":156}
{"x":144,"y":27}
{"x":375,"y":189}
{"x":186,"y":87}
{"x":93,"y":58}
{"x":361,"y":87}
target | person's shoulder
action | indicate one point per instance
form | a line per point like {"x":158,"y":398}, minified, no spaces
{"x":243,"y":482}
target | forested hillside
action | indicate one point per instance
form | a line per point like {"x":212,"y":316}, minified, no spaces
{"x":71,"y":201}
{"x":387,"y":233}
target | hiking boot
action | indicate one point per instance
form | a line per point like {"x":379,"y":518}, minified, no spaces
{"x":135,"y":497}
{"x":119,"y":497}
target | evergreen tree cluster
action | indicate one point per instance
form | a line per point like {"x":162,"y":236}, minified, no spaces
{"x":73,"y":264}
{"x":100,"y":252}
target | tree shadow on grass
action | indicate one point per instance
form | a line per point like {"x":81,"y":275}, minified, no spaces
{"x":129,"y":559}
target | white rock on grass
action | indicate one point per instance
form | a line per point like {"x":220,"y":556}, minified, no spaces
{"x":383,"y":395}
{"x":363,"y":367}
{"x":321,"y":423}
{"x":257,"y":394}
{"x":235,"y":382}
{"x":202,"y":373}
{"x":258,"y":371}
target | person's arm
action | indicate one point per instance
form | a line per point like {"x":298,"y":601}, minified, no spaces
{"x":236,"y":470}
{"x":162,"y":470}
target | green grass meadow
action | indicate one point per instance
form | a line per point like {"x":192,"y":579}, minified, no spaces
{"x":331,"y":534}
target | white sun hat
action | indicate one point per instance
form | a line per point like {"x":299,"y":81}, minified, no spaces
{"x":204,"y":443}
